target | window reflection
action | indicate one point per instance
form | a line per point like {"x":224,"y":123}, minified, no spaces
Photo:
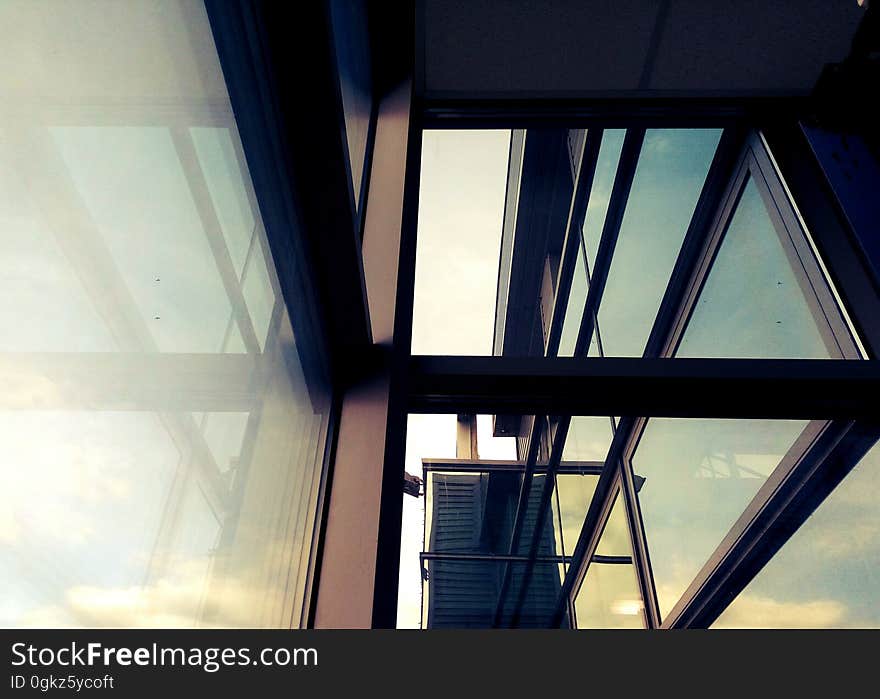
{"x":827,"y":575}
{"x":575,"y":492}
{"x":753,"y":303}
{"x":609,"y":596}
{"x":164,"y":446}
{"x":669,"y":177}
{"x":600,"y":193}
{"x":699,"y":477}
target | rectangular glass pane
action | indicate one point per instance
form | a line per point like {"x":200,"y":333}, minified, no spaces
{"x":699,"y":477}
{"x":164,"y":443}
{"x":588,"y":439}
{"x":669,"y":177}
{"x":827,"y":575}
{"x":461,"y":209}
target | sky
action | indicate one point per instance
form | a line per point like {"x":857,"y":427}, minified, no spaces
{"x":461,"y":206}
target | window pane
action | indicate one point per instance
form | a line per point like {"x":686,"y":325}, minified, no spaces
{"x":588,"y":439}
{"x":461,"y":208}
{"x":574,"y":311}
{"x":163,"y":442}
{"x":699,"y":477}
{"x":575,"y":493}
{"x":609,"y":596}
{"x":828,"y":573}
{"x":752,"y":303}
{"x":667,"y":183}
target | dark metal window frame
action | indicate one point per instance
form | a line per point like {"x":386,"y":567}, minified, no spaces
{"x":796,"y":486}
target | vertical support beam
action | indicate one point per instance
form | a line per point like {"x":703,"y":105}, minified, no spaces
{"x":466,"y":437}
{"x":358,"y":585}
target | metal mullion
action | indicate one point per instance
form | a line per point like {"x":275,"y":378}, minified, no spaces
{"x":623,"y":180}
{"x":521,"y":507}
{"x":488,"y":466}
{"x":487,"y":557}
{"x":638,"y":539}
{"x":573,"y":236}
{"x":595,"y":519}
{"x":818,"y":461}
{"x":558,"y":445}
{"x":617,"y":205}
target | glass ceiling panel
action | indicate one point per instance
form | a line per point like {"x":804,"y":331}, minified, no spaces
{"x":669,"y":177}
{"x":699,"y":477}
{"x":609,"y":596}
{"x":574,"y":492}
{"x":756,"y":301}
{"x":461,"y":208}
{"x":828,"y":574}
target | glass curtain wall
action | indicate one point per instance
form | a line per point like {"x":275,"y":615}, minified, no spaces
{"x":163,"y":444}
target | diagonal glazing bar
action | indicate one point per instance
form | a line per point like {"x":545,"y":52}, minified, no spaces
{"x":792,"y":493}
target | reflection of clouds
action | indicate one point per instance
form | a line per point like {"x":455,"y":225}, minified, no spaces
{"x":54,"y":483}
{"x":752,"y":611}
{"x":22,"y":389}
{"x":846,"y":539}
{"x":832,"y":559}
{"x":10,"y":528}
{"x":184,"y":597}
